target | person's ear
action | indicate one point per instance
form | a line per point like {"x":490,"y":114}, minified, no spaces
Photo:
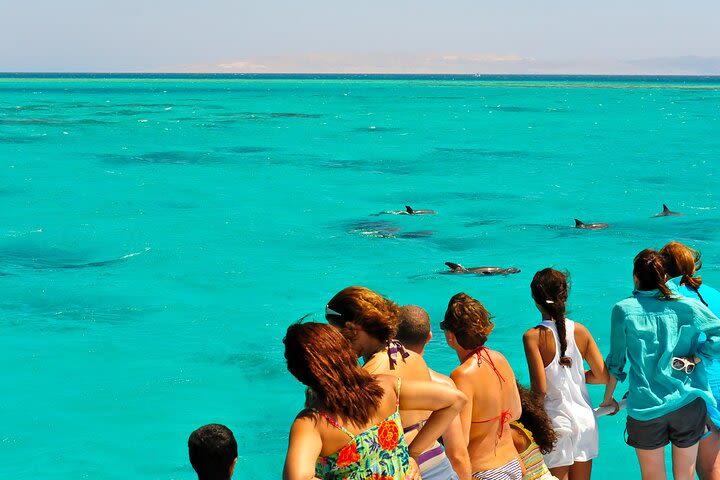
{"x":430,"y":335}
{"x":350,"y":330}
{"x":232,"y":467}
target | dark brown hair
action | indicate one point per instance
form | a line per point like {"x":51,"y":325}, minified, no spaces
{"x":681,"y":260}
{"x":535,"y":418}
{"x":212,"y":450}
{"x":649,"y":270}
{"x":321,"y":358}
{"x":550,"y":290}
{"x":468,"y":320}
{"x":414,"y":327}
{"x":375,"y":314}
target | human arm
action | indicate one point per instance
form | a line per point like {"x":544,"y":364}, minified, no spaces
{"x":609,"y":399}
{"x":536,"y":367}
{"x":708,"y":324}
{"x":456,"y":449}
{"x":465,"y":385}
{"x":304,"y":448}
{"x":617,"y":357}
{"x":598,"y":373}
{"x":445,"y":403}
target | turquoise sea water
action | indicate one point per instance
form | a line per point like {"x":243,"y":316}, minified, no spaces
{"x":245,"y":200}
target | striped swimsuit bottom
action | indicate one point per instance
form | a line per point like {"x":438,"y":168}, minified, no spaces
{"x":510,"y":471}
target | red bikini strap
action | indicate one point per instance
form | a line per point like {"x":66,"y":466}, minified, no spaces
{"x":479,"y":351}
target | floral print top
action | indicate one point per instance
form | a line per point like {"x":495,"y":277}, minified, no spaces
{"x":378,"y":453}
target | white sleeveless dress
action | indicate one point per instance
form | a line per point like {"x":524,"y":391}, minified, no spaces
{"x":567,"y":403}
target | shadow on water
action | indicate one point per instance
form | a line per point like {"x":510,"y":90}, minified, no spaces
{"x":244,"y":149}
{"x":169,"y":157}
{"x":18,"y":255}
{"x":22,"y":139}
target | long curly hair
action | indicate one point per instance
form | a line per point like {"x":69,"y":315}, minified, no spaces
{"x":321,"y":358}
{"x":550,"y":290}
{"x":535,"y":418}
{"x":468,"y":320}
{"x":375,"y":314}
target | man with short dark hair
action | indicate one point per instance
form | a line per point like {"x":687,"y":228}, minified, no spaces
{"x":213,"y":452}
{"x":414,"y":333}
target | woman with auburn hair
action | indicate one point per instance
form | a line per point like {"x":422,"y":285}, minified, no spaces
{"x":681,"y":264}
{"x":351,"y":428}
{"x":658,"y":333}
{"x":556,"y":350}
{"x":533,"y":436}
{"x":487,"y":380}
{"x":370,"y":322}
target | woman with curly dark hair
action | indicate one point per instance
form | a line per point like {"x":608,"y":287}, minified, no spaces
{"x":533,"y":436}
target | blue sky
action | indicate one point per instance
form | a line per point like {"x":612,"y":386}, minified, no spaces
{"x":274,"y":35}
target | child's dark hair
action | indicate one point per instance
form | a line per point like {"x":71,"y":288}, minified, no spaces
{"x":535,"y":418}
{"x":550,"y":290}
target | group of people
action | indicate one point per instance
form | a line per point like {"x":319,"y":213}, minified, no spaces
{"x":391,"y":417}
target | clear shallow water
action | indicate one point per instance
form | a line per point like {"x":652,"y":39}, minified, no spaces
{"x":244,"y":200}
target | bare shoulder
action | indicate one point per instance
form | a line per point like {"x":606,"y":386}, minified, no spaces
{"x":440,"y":378}
{"x":531,"y":336}
{"x":305,"y":421}
{"x":387,"y":381}
{"x":461,"y":374}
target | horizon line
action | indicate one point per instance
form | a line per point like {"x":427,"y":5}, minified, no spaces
{"x":356,"y":74}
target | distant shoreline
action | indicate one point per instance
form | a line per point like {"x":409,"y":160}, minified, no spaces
{"x":352,"y":76}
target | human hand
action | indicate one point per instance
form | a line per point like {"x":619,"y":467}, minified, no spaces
{"x":613,"y":404}
{"x":414,"y":472}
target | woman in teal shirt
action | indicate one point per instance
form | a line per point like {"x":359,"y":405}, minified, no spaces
{"x":681,"y":264}
{"x":657,"y":333}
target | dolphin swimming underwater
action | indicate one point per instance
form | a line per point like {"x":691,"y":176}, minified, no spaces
{"x":666,"y":212}
{"x":590,"y":226}
{"x":459,"y":269}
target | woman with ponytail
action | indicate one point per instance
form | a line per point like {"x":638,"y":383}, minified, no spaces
{"x":658,"y":333}
{"x":351,"y":427}
{"x":681,"y":264}
{"x":556,"y":350}
{"x":370,"y":322}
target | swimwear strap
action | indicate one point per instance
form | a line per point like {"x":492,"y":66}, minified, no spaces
{"x":504,"y":418}
{"x":394,"y":347}
{"x":413,"y":427}
{"x":430,"y":454}
{"x":479,"y":351}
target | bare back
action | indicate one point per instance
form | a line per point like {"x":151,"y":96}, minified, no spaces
{"x":494,"y":402}
{"x":411,"y":368}
{"x":333,"y":439}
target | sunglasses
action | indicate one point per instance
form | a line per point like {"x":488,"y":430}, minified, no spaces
{"x":682,"y":364}
{"x":442,"y":325}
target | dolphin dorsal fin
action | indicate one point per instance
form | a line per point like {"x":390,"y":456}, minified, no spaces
{"x":455,"y":266}
{"x":409,"y":209}
{"x":578,"y":223}
{"x":665,"y":208}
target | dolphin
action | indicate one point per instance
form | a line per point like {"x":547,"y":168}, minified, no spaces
{"x":410,"y":211}
{"x":666,"y":212}
{"x":590,"y":226}
{"x":459,"y":269}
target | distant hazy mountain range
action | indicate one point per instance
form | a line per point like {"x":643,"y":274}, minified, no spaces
{"x":454,"y":63}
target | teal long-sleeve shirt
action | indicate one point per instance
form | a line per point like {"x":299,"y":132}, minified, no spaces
{"x":648,"y":332}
